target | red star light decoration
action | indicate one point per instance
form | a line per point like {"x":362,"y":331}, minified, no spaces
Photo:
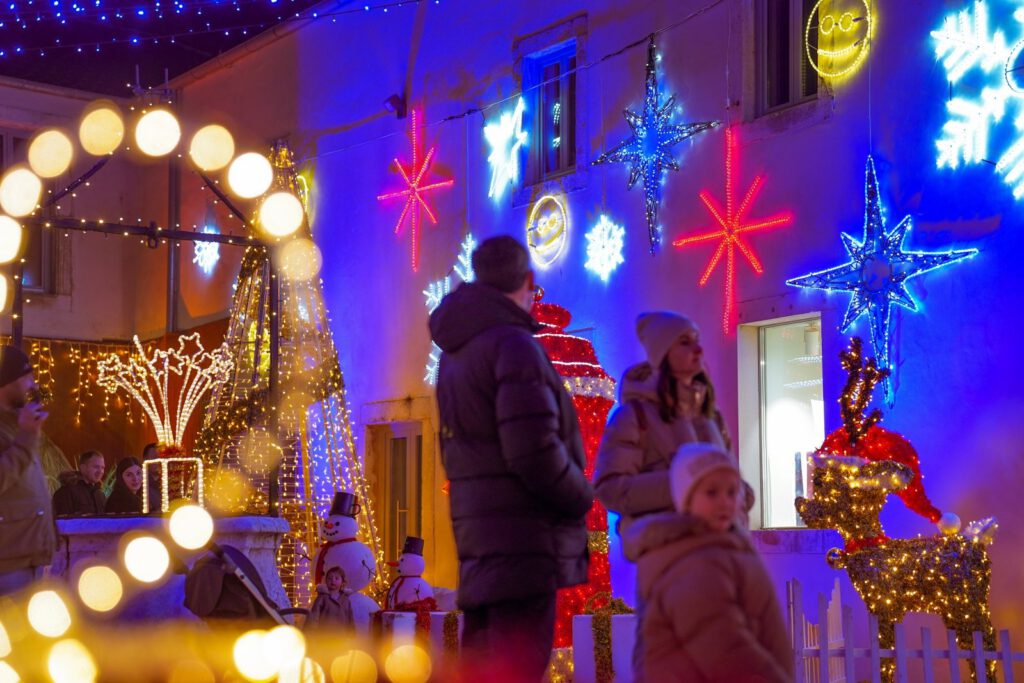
{"x":416,"y":189}
{"x":732,"y":224}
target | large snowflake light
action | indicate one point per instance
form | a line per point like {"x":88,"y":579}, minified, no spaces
{"x":649,"y":151}
{"x":983,"y":59}
{"x":505,"y":137}
{"x":877,"y":272}
{"x":604,"y":248}
{"x":438,"y":289}
{"x":206,"y":254}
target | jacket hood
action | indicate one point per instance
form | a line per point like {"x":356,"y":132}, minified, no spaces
{"x":69,"y":477}
{"x":658,"y":540}
{"x":639,"y":382}
{"x":472,"y":309}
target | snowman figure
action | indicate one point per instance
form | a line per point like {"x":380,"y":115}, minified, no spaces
{"x":409,"y":587}
{"x":355,"y":559}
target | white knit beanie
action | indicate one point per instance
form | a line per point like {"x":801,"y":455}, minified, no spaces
{"x":658,"y":331}
{"x":693,"y":462}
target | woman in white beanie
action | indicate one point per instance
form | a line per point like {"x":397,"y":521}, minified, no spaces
{"x":664,"y":402}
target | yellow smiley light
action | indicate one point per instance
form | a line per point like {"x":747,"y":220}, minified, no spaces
{"x":838,"y":36}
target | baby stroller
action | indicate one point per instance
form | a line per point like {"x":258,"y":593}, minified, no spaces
{"x":224,"y":585}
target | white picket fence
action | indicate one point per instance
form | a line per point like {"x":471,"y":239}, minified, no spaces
{"x":835,"y":662}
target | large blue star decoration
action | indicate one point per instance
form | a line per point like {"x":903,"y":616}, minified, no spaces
{"x":649,"y":151}
{"x":878,"y":270}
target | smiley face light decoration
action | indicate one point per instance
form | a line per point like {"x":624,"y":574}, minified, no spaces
{"x":547,"y":230}
{"x":846,"y":27}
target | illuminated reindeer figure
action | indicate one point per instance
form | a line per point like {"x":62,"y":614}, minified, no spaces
{"x":947,"y":575}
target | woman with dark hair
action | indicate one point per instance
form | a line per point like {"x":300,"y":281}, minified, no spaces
{"x":664,"y":402}
{"x":126,"y":498}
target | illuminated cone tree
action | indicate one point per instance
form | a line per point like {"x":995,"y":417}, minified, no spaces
{"x":593,"y":394}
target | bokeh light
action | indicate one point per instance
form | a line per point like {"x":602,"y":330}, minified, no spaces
{"x":191,"y":526}
{"x":355,"y":666}
{"x":228,"y":491}
{"x":191,"y":671}
{"x":146,"y":559}
{"x":259,"y":452}
{"x":50,"y":153}
{"x":48,"y":614}
{"x":8,"y":674}
{"x":102,"y":129}
{"x":10,"y":239}
{"x":306,"y":671}
{"x":284,"y":647}
{"x":100,"y":588}
{"x":212,"y":147}
{"x":281,"y":214}
{"x":4,"y":288}
{"x":20,"y":191}
{"x":5,"y":641}
{"x":71,"y":662}
{"x":299,"y":260}
{"x":250,"y":175}
{"x":408,"y":664}
{"x":249,"y":660}
{"x":157,"y":133}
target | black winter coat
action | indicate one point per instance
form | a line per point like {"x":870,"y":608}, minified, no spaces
{"x":76,"y":497}
{"x":511,"y":448}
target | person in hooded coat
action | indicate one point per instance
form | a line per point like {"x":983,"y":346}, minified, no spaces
{"x":512,"y":451}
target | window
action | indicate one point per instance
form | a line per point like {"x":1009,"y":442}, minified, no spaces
{"x":788,"y":421}
{"x":37,"y":257}
{"x":549,"y":84}
{"x":399,"y":482}
{"x":784,"y":74}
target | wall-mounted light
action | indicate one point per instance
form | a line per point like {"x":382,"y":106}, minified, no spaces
{"x":396,"y":105}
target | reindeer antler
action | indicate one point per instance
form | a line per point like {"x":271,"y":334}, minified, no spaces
{"x":862,"y":376}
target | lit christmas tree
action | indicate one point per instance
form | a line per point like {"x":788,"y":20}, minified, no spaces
{"x":593,"y":394}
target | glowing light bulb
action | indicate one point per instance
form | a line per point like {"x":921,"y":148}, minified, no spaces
{"x":4,"y":288}
{"x":355,"y":666}
{"x":281,"y":214}
{"x":8,"y":674}
{"x":10,"y":239}
{"x":100,"y":588}
{"x":212,"y":148}
{"x":300,"y":260}
{"x":250,"y":175}
{"x":5,"y":642}
{"x":102,"y":129}
{"x":306,"y":671}
{"x":48,"y":614}
{"x":408,"y":664}
{"x":249,"y":657}
{"x":19,"y":191}
{"x":50,"y":153}
{"x":146,"y":559}
{"x":157,"y":133}
{"x":284,"y":647}
{"x":191,"y":526}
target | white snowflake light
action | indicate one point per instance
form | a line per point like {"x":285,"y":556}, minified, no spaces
{"x":969,"y":50}
{"x":206,"y":254}
{"x":505,"y":137}
{"x":438,"y":289}
{"x":604,"y":248}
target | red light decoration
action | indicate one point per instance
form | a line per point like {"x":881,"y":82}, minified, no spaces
{"x":733,"y":223}
{"x":415,"y":189}
{"x":593,"y":394}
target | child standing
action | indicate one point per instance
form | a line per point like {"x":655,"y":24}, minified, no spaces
{"x":711,"y":612}
{"x":331,"y":607}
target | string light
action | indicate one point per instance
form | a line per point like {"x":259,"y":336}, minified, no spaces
{"x":878,"y":270}
{"x":604,"y":248}
{"x":506,"y":138}
{"x":416,"y":189}
{"x":649,"y":151}
{"x":593,"y":394}
{"x":733,"y":223}
{"x":438,"y":290}
{"x":547,"y":230}
{"x":853,"y":472}
{"x":965,"y":45}
{"x":180,"y":476}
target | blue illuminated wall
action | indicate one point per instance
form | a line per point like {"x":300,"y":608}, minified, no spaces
{"x":957,"y":362}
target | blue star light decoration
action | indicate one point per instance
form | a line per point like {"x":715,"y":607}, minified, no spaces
{"x":878,"y":270}
{"x":604,"y":248}
{"x":439,"y":289}
{"x":649,"y":151}
{"x":986,"y":68}
{"x":506,"y":138}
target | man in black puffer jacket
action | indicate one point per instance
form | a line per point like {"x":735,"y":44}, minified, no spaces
{"x":511,"y":448}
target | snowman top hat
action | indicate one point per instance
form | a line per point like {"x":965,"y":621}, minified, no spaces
{"x":413,"y":546}
{"x":344,"y":504}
